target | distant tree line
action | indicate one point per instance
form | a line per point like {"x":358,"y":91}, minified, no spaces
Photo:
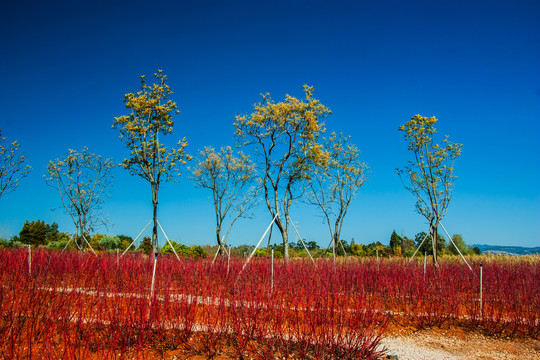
{"x":40,"y":234}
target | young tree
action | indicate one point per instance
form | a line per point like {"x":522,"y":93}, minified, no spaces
{"x":430,"y":175}
{"x":12,"y":168}
{"x":285,"y":136}
{"x":151,"y":116}
{"x":335,"y":183}
{"x":230,"y":178}
{"x":82,"y":179}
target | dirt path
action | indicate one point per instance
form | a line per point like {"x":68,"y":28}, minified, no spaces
{"x":456,"y":345}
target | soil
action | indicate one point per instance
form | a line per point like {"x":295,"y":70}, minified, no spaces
{"x":456,"y":344}
{"x":433,"y":344}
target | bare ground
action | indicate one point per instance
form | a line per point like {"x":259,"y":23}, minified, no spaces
{"x":454,"y":344}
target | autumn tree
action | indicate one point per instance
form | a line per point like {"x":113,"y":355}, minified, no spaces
{"x":151,"y":116}
{"x":12,"y":168}
{"x":285,"y":137}
{"x":335,"y":183}
{"x":230,"y":178}
{"x":430,"y":176}
{"x":83,"y":180}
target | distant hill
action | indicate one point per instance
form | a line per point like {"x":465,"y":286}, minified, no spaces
{"x":510,"y":250}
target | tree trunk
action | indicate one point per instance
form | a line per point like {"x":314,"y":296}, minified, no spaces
{"x":334,"y":246}
{"x":434,"y":244}
{"x":154,"y":230}
{"x":285,"y":245}
{"x":283,"y":229}
{"x":221,"y":249}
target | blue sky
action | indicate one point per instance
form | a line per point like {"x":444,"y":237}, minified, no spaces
{"x":65,"y":67}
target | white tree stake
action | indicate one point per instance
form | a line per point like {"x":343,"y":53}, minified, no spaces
{"x":259,"y":243}
{"x":71,"y":238}
{"x":152,"y":286}
{"x":481,"y":304}
{"x":343,"y":248}
{"x":91,"y":248}
{"x":272,"y":273}
{"x":169,"y":241}
{"x":299,"y":237}
{"x":419,"y":246}
{"x":449,"y":237}
{"x":425,"y":260}
{"x":228,"y":260}
{"x":133,"y":242}
{"x":215,"y":256}
{"x":29,"y":259}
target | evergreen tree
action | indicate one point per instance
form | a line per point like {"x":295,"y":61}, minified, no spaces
{"x":395,"y":243}
{"x":33,"y":233}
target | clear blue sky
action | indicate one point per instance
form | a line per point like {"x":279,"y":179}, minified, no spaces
{"x":65,"y":67}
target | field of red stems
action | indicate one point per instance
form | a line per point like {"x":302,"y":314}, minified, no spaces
{"x":79,"y":306}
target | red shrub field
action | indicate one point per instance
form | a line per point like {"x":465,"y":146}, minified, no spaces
{"x":79,"y":306}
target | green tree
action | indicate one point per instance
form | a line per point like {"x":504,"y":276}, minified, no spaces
{"x":34,"y":233}
{"x":358,"y":250}
{"x":458,"y":241}
{"x":427,"y":246}
{"x":285,"y":136}
{"x":125,"y":241}
{"x":395,"y":243}
{"x":146,"y":245}
{"x":83,"y":180}
{"x":181,"y":249}
{"x":151,"y":116}
{"x":109,"y":242}
{"x":53,"y":234}
{"x":430,"y":175}
{"x":407,"y":246}
{"x":12,"y":168}
{"x":335,"y":183}
{"x":230,"y":177}
{"x":373,"y":248}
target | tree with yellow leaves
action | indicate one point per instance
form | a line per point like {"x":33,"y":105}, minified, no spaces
{"x":285,"y":136}
{"x":230,"y":177}
{"x":430,"y":176}
{"x":335,"y":183}
{"x":150,"y":117}
{"x":82,"y":179}
{"x":12,"y":168}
